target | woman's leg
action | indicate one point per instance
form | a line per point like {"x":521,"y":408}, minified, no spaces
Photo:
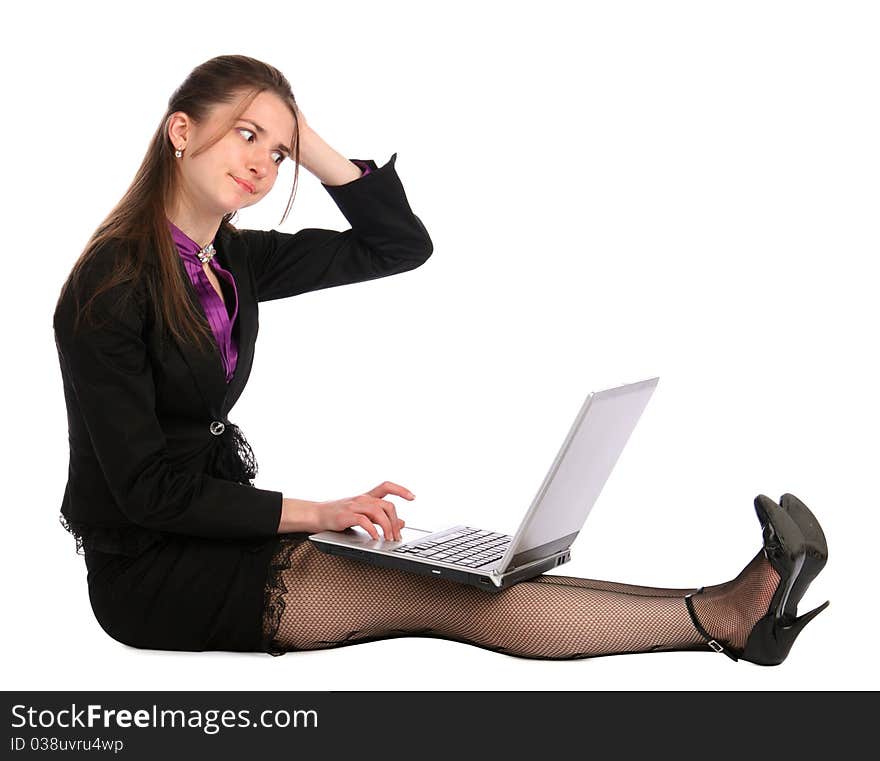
{"x":324,"y":601}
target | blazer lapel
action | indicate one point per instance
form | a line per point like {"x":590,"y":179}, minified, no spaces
{"x":234,"y":258}
{"x":207,"y":367}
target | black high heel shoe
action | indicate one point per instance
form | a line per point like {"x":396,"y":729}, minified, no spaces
{"x":795,"y":546}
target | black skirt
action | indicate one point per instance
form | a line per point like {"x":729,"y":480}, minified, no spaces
{"x":192,"y":593}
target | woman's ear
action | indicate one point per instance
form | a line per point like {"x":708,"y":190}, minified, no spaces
{"x":178,"y":129}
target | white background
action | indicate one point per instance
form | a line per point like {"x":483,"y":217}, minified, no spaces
{"x":614,"y":191}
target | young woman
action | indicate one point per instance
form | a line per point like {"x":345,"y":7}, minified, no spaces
{"x":155,"y":329}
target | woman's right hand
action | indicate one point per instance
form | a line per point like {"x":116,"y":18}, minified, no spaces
{"x":364,"y":510}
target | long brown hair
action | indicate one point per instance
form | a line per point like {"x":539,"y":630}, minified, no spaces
{"x":138,"y":224}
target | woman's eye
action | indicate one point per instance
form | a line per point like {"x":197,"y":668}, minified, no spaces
{"x":250,"y":132}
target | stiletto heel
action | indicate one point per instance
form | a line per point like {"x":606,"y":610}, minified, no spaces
{"x":797,"y":557}
{"x":814,"y":543}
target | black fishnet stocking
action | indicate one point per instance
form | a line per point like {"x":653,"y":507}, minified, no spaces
{"x":316,"y":601}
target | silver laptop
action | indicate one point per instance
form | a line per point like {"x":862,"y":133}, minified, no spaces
{"x":492,"y":560}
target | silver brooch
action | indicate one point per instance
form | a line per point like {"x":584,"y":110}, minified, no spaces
{"x":206,"y":254}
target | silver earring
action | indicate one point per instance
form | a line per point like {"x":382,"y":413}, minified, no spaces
{"x":178,"y":153}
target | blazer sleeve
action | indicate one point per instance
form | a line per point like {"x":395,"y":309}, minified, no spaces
{"x":109,"y":371}
{"x":385,"y":238}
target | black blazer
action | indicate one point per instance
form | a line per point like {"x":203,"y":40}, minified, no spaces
{"x":140,"y":409}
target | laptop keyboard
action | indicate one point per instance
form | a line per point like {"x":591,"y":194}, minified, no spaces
{"x":468,"y":547}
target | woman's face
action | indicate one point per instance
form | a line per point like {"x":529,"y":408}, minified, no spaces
{"x":241,"y":168}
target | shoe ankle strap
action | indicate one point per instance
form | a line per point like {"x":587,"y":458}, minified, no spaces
{"x":713,"y":643}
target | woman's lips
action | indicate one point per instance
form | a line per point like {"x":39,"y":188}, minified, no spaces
{"x":246,"y":185}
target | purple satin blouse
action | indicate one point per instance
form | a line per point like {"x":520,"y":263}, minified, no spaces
{"x":221,"y":317}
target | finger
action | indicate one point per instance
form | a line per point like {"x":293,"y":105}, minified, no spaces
{"x":387,"y":487}
{"x":391,"y":512}
{"x":366,"y":523}
{"x":378,"y":515}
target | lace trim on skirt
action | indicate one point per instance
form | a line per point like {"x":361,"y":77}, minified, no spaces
{"x":273,"y":596}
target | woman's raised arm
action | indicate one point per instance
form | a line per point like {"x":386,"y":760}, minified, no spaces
{"x":385,"y":238}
